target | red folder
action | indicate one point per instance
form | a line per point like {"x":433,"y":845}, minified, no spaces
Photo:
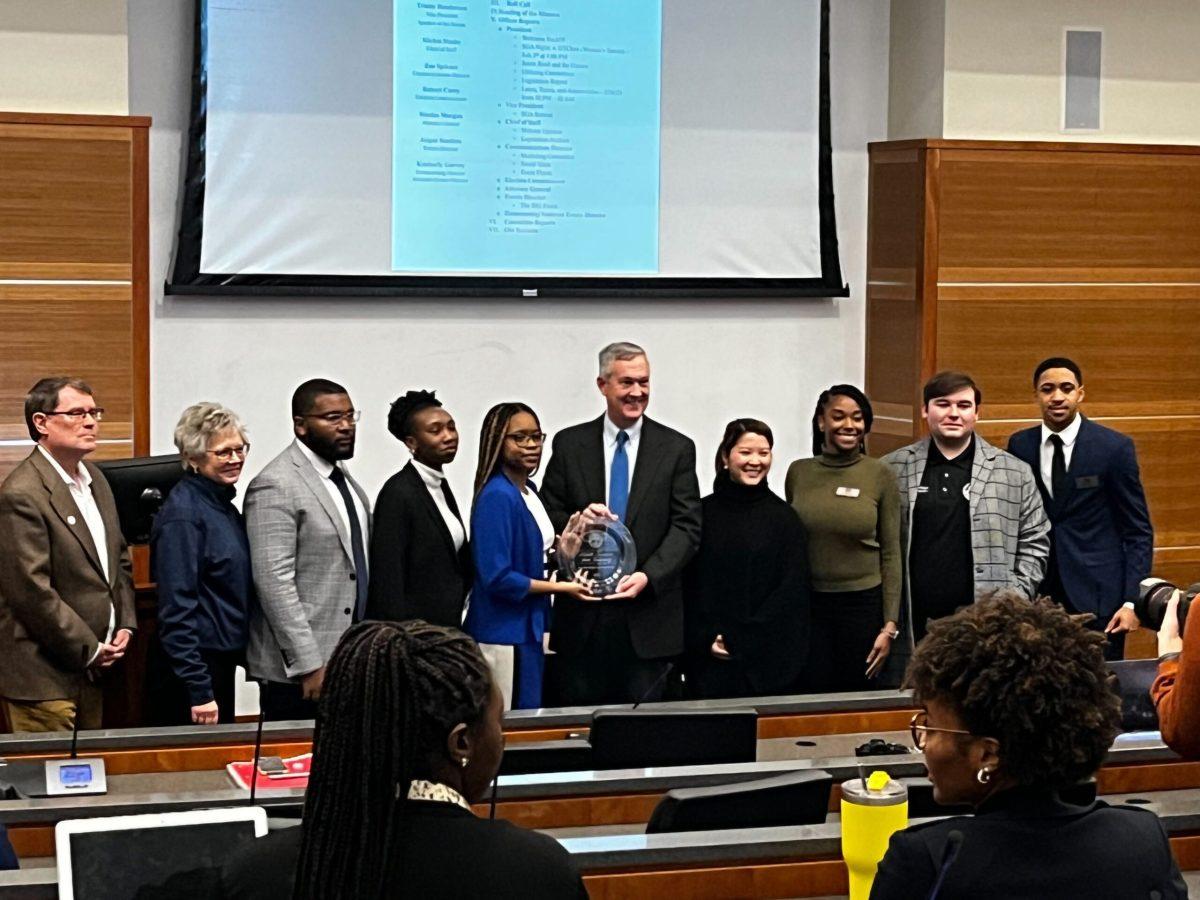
{"x":298,"y":767}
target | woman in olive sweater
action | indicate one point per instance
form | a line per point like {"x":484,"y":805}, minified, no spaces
{"x":850,"y":507}
{"x":746,"y":590}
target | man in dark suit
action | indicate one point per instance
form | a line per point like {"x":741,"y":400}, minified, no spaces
{"x":66,"y":585}
{"x":616,"y":650}
{"x":1101,"y":540}
{"x":420,"y":559}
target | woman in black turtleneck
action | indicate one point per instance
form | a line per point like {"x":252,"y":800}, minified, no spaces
{"x":747,"y":587}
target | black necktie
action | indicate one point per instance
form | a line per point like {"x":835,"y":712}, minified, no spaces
{"x":356,"y":544}
{"x":1058,"y":469}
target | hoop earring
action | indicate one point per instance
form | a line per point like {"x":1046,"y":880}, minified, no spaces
{"x":984,"y":775}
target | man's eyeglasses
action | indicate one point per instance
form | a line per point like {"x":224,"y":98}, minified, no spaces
{"x":78,"y":415}
{"x":226,"y":454}
{"x":527,"y":438}
{"x":920,"y":731}
{"x":334,"y":418}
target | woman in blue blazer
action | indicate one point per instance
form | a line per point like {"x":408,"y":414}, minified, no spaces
{"x":510,"y":537}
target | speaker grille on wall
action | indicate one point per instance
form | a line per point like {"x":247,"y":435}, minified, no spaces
{"x":1081,"y":80}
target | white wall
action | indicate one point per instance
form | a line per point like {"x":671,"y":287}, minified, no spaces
{"x":63,"y":56}
{"x":1003,"y":76}
{"x":711,"y":361}
{"x":916,"y":65}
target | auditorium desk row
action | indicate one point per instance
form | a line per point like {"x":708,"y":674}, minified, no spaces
{"x":557,"y":800}
{"x":799,"y":861}
{"x":196,"y":748}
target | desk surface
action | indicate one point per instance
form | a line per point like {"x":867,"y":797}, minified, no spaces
{"x":173,"y":791}
{"x":1178,"y":810}
{"x":523,"y":720}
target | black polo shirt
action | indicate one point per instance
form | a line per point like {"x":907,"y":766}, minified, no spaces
{"x":941,"y":567}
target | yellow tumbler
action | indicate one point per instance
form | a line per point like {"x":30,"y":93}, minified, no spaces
{"x":870,"y":815}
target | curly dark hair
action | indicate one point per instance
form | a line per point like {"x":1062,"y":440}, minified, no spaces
{"x":1029,"y":675}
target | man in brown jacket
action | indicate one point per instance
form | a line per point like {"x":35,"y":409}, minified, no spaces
{"x":66,"y":585}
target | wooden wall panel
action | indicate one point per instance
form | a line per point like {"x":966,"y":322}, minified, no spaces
{"x":65,"y":197}
{"x":1138,"y":346}
{"x":1075,"y":209}
{"x":74,"y":291}
{"x":895,"y":271}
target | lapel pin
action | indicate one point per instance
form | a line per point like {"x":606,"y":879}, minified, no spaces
{"x":70,"y":520}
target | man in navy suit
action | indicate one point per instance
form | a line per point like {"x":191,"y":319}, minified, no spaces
{"x":1101,"y":542}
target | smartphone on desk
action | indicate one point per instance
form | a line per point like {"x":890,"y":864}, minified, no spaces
{"x":273,"y":767}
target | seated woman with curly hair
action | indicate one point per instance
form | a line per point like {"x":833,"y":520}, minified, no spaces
{"x":1016,"y":706}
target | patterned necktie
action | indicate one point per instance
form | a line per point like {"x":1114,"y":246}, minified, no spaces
{"x":618,"y":478}
{"x":356,"y":544}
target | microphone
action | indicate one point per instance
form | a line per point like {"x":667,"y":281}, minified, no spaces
{"x":658,"y":682}
{"x":953,"y":844}
{"x":79,"y":705}
{"x":257,"y":743}
{"x":492,"y":813}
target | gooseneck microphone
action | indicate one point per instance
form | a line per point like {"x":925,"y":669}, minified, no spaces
{"x":658,"y":682}
{"x":257,"y":743}
{"x":79,"y":704}
{"x":953,"y":844}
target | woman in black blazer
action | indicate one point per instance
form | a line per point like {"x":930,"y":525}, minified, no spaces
{"x":1016,"y":705}
{"x":420,"y":555}
{"x":408,"y":738}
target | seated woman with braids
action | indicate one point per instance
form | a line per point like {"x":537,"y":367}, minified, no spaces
{"x":407,"y":738}
{"x":1016,"y":705}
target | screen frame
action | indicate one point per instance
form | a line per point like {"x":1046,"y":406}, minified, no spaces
{"x":63,"y":831}
{"x":187,"y":279}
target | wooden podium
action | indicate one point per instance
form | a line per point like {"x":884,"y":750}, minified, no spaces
{"x":990,"y":256}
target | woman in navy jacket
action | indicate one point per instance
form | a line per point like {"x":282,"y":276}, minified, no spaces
{"x":510,"y":537}
{"x":201,"y":563}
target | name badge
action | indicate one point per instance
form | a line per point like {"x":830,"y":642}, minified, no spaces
{"x":847,"y":492}
{"x":1087,"y":481}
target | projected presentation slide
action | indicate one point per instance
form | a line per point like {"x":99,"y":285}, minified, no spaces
{"x":526,"y":136}
{"x":619,"y":139}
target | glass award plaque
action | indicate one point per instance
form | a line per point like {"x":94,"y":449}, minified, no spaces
{"x":598,"y":552}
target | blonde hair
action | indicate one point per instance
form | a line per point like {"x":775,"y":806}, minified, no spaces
{"x":199,"y":424}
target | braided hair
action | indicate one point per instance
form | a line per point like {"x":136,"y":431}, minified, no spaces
{"x":400,"y":414}
{"x":491,"y":439}
{"x":840,"y":390}
{"x":393,"y":692}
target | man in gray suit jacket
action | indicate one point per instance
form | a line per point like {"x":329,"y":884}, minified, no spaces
{"x":308,"y":523}
{"x":971,"y":515}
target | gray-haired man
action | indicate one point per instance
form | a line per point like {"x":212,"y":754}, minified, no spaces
{"x":970,"y":512}
{"x":616,"y":650}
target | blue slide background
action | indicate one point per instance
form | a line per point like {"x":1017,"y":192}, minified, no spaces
{"x":526,"y":135}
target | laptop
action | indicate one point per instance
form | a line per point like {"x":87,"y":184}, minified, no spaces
{"x":112,"y":858}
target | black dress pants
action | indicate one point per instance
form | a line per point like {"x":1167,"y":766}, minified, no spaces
{"x":606,"y":670}
{"x":168,"y":701}
{"x":844,"y":628}
{"x":284,"y":702}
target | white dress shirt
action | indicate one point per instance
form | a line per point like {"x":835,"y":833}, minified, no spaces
{"x":538,"y":511}
{"x":434,"y":483}
{"x":325,"y":468}
{"x":610,"y":449}
{"x":81,"y":493}
{"x":1068,"y":435}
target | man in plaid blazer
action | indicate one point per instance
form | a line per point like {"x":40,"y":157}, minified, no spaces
{"x":971,"y":515}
